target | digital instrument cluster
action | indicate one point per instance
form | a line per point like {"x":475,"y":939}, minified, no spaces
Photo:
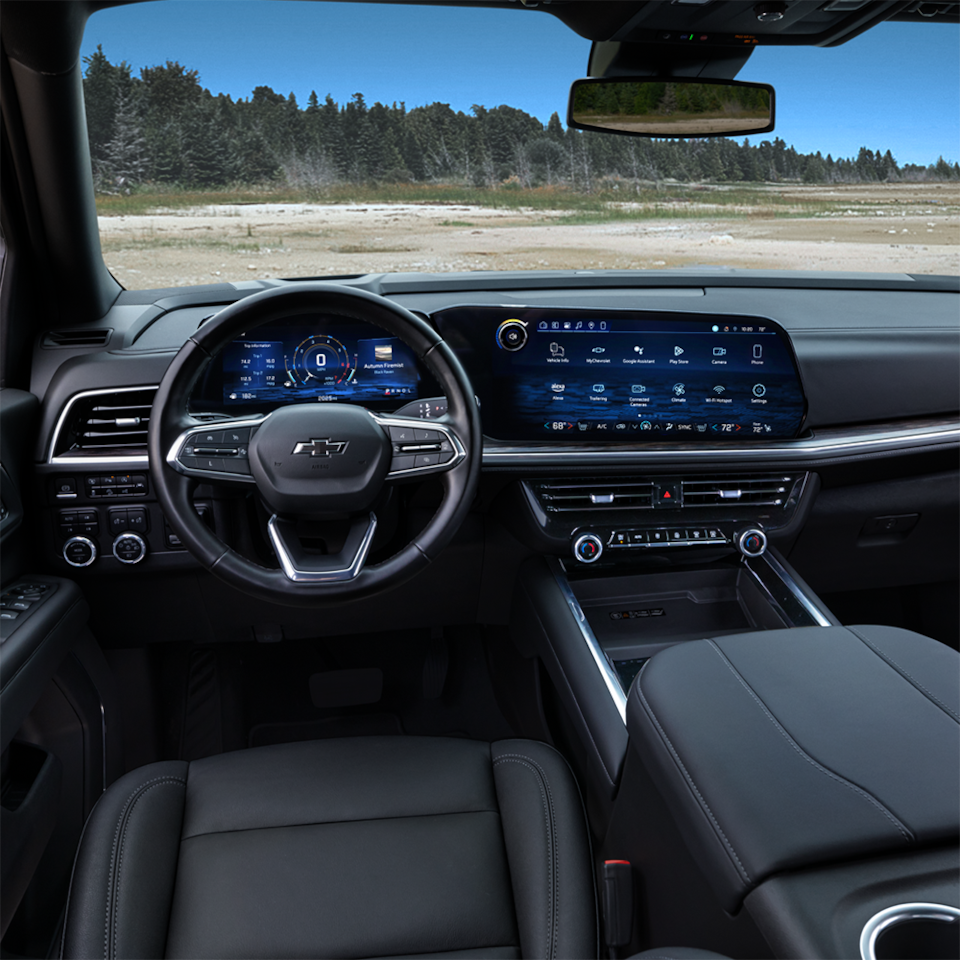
{"x":555,"y":374}
{"x":326,"y":360}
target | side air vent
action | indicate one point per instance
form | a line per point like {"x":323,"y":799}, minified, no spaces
{"x":76,"y":338}
{"x":106,"y":424}
{"x":742,"y":491}
{"x":569,"y":497}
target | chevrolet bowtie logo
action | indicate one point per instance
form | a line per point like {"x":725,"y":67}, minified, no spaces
{"x":322,"y":448}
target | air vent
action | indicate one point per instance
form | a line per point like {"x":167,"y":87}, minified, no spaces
{"x":754,"y":491}
{"x":569,"y":497}
{"x":106,"y":424}
{"x":76,"y":338}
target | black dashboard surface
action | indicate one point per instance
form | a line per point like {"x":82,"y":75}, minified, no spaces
{"x":869,"y":350}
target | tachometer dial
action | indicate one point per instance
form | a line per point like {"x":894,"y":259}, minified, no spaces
{"x":320,"y":360}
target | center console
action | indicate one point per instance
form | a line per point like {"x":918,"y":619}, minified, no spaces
{"x":813,"y":774}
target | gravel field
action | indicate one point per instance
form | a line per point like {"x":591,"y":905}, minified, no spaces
{"x":912,"y":228}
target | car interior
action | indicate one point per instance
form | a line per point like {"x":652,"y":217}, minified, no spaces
{"x":450,"y":665}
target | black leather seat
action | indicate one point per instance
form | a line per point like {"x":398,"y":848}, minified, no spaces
{"x":366,"y":847}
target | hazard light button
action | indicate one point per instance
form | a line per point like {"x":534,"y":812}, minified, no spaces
{"x":668,"y":494}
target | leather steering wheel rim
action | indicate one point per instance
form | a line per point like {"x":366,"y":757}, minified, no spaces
{"x":169,"y":419}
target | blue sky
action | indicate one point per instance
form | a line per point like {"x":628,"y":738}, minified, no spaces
{"x":896,"y":87}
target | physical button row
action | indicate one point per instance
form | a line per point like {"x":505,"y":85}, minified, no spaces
{"x":664,"y":538}
{"x":19,"y":598}
{"x":116,"y":485}
{"x":72,"y":522}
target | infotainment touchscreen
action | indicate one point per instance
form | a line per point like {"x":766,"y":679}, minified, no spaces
{"x":608,"y":375}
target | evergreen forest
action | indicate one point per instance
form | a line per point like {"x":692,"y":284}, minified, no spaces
{"x":163,"y":128}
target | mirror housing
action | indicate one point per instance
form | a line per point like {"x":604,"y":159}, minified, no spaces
{"x":671,"y":107}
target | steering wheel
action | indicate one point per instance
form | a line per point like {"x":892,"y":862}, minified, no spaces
{"x":314,"y":459}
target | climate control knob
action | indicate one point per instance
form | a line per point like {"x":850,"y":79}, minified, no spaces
{"x":79,"y":552}
{"x":588,"y":548}
{"x":129,"y":548}
{"x":752,"y":542}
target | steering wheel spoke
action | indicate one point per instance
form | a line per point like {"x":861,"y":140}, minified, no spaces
{"x":420,"y":447}
{"x":302,"y":567}
{"x":217,"y":451}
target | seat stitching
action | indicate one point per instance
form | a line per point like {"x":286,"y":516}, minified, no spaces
{"x":907,"y":834}
{"x":904,"y":673}
{"x":692,"y":784}
{"x":336,"y":823}
{"x":112,"y":878}
{"x":549,"y":817}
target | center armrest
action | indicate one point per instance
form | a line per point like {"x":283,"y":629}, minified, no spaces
{"x":790,"y":748}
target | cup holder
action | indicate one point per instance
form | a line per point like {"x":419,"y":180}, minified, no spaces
{"x":912,"y":931}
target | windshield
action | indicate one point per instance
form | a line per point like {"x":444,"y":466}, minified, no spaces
{"x":248,"y":140}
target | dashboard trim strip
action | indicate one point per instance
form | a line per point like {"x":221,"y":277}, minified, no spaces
{"x":607,"y":673}
{"x":829,"y":443}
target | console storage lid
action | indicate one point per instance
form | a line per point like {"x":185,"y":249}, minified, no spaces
{"x":790,"y":748}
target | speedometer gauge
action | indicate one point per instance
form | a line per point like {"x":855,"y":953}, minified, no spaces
{"x":320,"y":360}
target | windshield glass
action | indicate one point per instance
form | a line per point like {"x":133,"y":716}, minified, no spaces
{"x":242,"y":139}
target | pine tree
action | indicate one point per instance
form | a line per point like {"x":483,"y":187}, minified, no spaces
{"x":125,"y":153}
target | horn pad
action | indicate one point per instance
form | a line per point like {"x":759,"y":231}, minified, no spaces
{"x":311,"y":459}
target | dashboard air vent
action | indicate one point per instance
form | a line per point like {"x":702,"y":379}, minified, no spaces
{"x":107,"y":424}
{"x":733,"y":491}
{"x":568,"y":496}
{"x":75,"y":338}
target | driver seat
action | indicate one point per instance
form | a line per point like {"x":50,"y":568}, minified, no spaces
{"x":361,"y":847}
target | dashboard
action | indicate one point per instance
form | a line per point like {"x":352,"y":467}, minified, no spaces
{"x":860,"y":376}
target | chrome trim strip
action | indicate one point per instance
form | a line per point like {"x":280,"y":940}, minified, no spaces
{"x":900,"y":913}
{"x":607,"y":673}
{"x":771,"y":561}
{"x":62,"y":419}
{"x":103,"y":742}
{"x":328,"y":576}
{"x":828,"y":443}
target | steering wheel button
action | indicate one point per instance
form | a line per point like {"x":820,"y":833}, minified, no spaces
{"x":402,"y":463}
{"x":237,"y":466}
{"x":237,"y":436}
{"x":210,"y":463}
{"x":212,"y":439}
{"x":422,"y":435}
{"x":192,"y":463}
{"x":427,"y":459}
{"x":402,"y":434}
{"x":446,"y":456}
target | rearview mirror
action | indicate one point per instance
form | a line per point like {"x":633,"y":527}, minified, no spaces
{"x":671,"y":107}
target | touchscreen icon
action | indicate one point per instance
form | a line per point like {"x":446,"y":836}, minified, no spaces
{"x":558,"y":387}
{"x":757,"y":351}
{"x":598,"y":388}
{"x":638,"y":388}
{"x":759,"y":390}
{"x":599,"y":350}
{"x":677,"y":351}
{"x":638,"y":350}
{"x":556,"y":350}
{"x":679,"y":389}
{"x":719,"y":351}
{"x":542,"y":325}
{"x":383,"y":354}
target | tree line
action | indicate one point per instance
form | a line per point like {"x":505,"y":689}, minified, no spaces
{"x":647,"y":97}
{"x":163,"y":127}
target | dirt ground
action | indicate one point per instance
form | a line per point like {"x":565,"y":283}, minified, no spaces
{"x":912,"y":228}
